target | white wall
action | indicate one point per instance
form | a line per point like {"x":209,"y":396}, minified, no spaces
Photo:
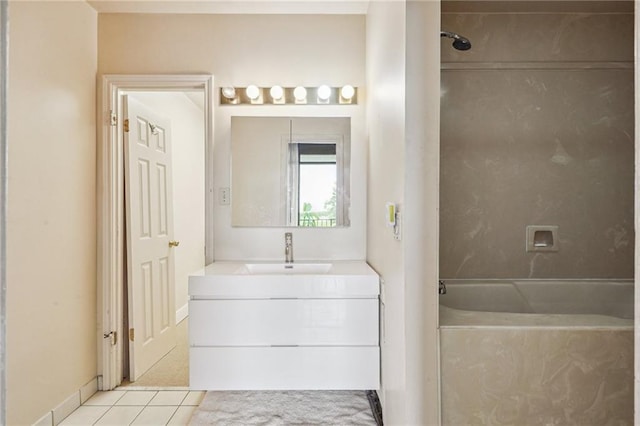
{"x":239,"y":50}
{"x":386,"y":32}
{"x":403,"y":62}
{"x":187,"y":138}
{"x":421,"y":212}
{"x":51,"y":227}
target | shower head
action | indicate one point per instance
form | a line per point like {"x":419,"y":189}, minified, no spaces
{"x":459,"y":42}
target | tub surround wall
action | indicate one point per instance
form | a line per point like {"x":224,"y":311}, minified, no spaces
{"x":537,"y":129}
{"x":507,"y":376}
{"x":239,"y":50}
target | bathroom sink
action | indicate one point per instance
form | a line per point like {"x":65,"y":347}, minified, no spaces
{"x":264,"y":279}
{"x":288,"y":268}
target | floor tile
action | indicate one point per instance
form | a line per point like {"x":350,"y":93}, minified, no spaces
{"x":182,"y":415}
{"x":194,"y":398}
{"x":119,"y":416}
{"x":136,"y":398}
{"x":153,"y":416}
{"x":168,"y":398}
{"x":105,"y":398}
{"x":85,"y":415}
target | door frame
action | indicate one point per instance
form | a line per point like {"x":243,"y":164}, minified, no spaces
{"x":110,"y":204}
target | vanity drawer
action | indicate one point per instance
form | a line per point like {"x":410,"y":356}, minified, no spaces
{"x":266,"y":322}
{"x":272,"y":368}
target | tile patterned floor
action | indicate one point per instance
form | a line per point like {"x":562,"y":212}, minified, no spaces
{"x":137,"y":407}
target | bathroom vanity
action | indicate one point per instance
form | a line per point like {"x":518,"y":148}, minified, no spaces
{"x":258,"y":326}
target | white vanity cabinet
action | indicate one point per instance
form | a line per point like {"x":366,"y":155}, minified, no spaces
{"x":284,"y":329}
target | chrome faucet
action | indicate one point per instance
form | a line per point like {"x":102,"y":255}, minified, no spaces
{"x":288,"y":247}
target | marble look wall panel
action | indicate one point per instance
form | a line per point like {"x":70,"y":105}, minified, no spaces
{"x":504,"y":37}
{"x":537,"y":147}
{"x":544,"y":146}
{"x":537,"y":377}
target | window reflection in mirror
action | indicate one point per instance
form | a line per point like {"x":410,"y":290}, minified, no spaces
{"x":290,"y":171}
{"x":312,"y":169}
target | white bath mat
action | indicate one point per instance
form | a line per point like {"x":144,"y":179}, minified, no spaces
{"x":276,"y":408}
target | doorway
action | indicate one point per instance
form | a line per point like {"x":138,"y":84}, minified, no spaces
{"x":186,"y":101}
{"x":183,"y":115}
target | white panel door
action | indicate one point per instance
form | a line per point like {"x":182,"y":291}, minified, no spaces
{"x":149,"y":222}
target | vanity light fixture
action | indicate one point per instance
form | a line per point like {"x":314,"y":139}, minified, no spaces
{"x":229,"y":94}
{"x":347,"y":94}
{"x":277,"y":94}
{"x":254,"y":93}
{"x":300,"y":95}
{"x":324,"y":94}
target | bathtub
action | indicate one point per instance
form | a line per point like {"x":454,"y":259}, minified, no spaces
{"x":537,"y":352}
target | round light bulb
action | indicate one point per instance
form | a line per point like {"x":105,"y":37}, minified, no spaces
{"x":347,"y":91}
{"x":324,"y":92}
{"x":300,"y":93}
{"x":276,"y":92}
{"x":253,"y":92}
{"x":229,"y":92}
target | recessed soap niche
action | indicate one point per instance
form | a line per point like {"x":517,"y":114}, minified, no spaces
{"x":542,"y":238}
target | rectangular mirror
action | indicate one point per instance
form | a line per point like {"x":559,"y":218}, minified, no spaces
{"x":290,"y":171}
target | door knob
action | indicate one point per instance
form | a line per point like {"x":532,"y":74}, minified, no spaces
{"x":174,"y":243}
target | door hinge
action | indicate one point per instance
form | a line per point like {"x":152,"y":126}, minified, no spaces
{"x":113,"y":335}
{"x":113,"y":118}
{"x":131,"y":334}
{"x":126,"y":125}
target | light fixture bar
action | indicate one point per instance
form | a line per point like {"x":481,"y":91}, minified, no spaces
{"x":278,"y":95}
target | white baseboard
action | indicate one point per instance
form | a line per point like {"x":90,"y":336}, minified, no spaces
{"x":182,"y":313}
{"x":46,"y":420}
{"x":88,"y":390}
{"x":66,"y":407}
{"x":69,"y":405}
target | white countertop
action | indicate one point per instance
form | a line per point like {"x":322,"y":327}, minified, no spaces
{"x":338,"y":267}
{"x":232,"y":279}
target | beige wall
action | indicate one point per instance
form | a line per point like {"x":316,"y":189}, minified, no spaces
{"x":239,"y":50}
{"x":537,"y":129}
{"x":51,"y":242}
{"x":403,"y":79}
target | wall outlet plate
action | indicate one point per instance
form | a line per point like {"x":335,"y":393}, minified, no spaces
{"x":224,"y":196}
